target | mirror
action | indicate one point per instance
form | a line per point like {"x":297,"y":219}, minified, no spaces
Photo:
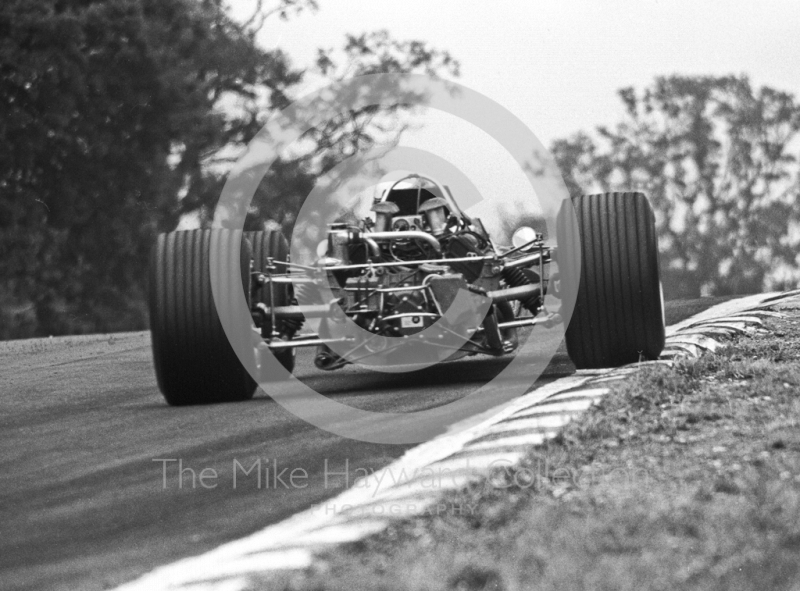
{"x":523,"y":235}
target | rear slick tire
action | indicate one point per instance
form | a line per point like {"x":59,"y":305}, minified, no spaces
{"x":195,"y":362}
{"x":619,"y":312}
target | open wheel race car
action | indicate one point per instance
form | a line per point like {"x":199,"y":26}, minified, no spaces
{"x":383,"y":281}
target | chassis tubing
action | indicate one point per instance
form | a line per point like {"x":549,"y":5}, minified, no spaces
{"x":272,"y":244}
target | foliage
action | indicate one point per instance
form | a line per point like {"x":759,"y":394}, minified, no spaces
{"x":718,"y":160}
{"x":281,"y":193}
{"x":119,"y":117}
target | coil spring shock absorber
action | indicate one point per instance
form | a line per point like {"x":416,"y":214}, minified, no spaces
{"x":292,"y":325}
{"x":516,"y":278}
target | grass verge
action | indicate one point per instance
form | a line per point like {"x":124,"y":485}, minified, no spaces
{"x":685,"y":478}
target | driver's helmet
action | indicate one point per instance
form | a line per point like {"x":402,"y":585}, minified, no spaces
{"x":410,"y":196}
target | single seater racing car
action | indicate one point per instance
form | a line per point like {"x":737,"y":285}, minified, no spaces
{"x":416,"y":282}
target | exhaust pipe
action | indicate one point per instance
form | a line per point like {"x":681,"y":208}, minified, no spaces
{"x":406,"y":235}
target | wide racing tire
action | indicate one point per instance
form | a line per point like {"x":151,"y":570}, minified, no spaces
{"x":608,"y":258}
{"x":272,"y":244}
{"x":195,"y":363}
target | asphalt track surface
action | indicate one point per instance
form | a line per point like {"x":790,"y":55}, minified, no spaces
{"x":90,"y":490}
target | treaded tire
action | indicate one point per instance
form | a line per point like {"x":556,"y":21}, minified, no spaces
{"x":194,"y":360}
{"x":619,"y":314}
{"x":271,"y":243}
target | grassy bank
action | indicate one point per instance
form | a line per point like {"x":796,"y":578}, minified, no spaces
{"x":685,"y":478}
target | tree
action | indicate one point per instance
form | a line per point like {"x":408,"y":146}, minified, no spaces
{"x":282,"y":191}
{"x":84,"y":129}
{"x":117,"y":118}
{"x":718,"y":160}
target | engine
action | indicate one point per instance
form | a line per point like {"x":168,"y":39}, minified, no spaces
{"x":397,"y":274}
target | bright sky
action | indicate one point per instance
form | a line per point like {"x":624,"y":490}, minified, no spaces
{"x":557,"y":65}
